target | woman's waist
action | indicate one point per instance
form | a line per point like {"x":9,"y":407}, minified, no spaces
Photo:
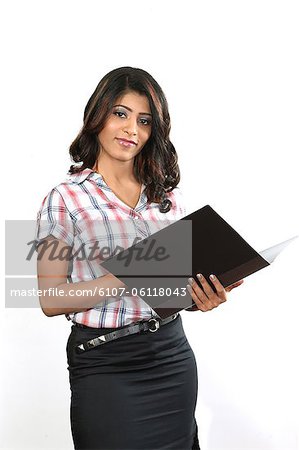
{"x":110,"y":318}
{"x":169,"y":337}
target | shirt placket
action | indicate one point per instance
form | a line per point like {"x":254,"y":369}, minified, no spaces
{"x":139,"y":223}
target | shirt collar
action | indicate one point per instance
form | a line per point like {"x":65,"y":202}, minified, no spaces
{"x":89,"y":174}
{"x":82,"y":176}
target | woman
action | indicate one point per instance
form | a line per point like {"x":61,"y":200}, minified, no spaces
{"x":139,"y":390}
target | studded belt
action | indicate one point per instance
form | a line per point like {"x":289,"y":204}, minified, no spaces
{"x":151,"y":325}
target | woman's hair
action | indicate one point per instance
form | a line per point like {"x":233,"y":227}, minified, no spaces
{"x":156,"y":165}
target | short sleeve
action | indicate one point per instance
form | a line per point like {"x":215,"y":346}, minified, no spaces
{"x":53,"y":218}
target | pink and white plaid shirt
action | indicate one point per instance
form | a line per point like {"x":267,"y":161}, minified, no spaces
{"x":84,"y":209}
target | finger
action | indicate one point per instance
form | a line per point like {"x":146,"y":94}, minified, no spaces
{"x":213,"y":298}
{"x":205,"y":285}
{"x":219,"y":288}
{"x":192,"y":308}
{"x":199,"y":303}
{"x":209,"y":302}
{"x":197,"y":294}
{"x":234,"y":285}
{"x":202,"y":301}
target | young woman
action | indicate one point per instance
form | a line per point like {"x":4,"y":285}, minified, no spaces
{"x":136,"y":386}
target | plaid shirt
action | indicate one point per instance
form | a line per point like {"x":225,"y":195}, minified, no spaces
{"x":84,"y":209}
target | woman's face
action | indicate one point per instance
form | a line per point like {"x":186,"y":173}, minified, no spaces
{"x":128,"y":127}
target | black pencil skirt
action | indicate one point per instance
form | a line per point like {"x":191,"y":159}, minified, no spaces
{"x":138,"y":392}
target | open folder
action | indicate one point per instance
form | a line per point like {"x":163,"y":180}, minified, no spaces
{"x":158,"y":267}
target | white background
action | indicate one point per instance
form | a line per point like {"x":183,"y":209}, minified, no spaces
{"x":230,"y":72}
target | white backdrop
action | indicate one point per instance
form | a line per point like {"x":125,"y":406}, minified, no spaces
{"x":230,"y":72}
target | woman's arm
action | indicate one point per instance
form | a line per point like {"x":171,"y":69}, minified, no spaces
{"x":52,"y":276}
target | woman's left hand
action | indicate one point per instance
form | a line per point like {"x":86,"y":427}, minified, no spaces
{"x":206,"y":299}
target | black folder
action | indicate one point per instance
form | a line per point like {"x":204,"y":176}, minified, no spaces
{"x":201,"y":242}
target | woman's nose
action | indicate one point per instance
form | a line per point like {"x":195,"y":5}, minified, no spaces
{"x":130,"y":127}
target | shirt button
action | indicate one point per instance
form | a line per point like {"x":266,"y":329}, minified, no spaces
{"x":136,"y":217}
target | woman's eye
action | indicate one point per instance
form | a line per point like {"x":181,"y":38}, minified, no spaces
{"x":145,"y":121}
{"x":142,"y":120}
{"x":119,"y":113}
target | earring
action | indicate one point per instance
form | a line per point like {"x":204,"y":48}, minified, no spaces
{"x":165,"y":205}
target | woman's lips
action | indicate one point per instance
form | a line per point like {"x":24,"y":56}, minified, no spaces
{"x":126,"y":143}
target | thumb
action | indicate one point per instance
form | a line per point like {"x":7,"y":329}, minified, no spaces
{"x":234,"y":285}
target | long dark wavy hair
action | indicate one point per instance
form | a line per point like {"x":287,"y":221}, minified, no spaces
{"x":156,"y":165}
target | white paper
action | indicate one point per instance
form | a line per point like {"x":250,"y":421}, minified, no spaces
{"x":270,"y":253}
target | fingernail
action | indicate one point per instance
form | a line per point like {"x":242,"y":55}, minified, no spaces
{"x":212,"y":277}
{"x":199,"y":275}
{"x":190,"y":280}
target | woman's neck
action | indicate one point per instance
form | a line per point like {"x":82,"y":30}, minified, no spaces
{"x":119,"y":174}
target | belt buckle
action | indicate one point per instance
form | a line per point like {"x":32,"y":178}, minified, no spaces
{"x":156,"y":325}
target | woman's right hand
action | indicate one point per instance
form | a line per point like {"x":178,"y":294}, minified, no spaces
{"x":206,"y":298}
